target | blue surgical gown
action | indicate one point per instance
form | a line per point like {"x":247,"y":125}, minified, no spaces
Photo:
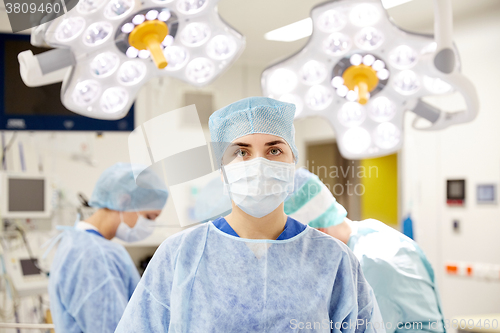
{"x":91,"y":281}
{"x":400,"y":275}
{"x":204,"y":280}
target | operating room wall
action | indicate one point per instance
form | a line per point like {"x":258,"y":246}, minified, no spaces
{"x":472,"y":152}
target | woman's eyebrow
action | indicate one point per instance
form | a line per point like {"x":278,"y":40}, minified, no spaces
{"x":276,"y":142}
{"x":241,"y":144}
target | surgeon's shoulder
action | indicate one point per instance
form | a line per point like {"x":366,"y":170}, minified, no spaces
{"x":333,"y":249}
{"x":77,"y":242}
{"x":374,"y":225}
{"x":327,"y":241}
{"x":97,"y":247}
{"x":79,"y":249}
{"x":178,"y":240}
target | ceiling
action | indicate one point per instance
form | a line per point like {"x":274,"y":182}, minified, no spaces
{"x":253,"y":18}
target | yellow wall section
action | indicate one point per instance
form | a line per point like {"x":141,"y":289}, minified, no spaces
{"x":380,"y":200}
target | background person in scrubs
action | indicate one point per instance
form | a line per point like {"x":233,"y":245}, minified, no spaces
{"x":394,"y":265}
{"x":256,"y":270}
{"x":92,"y":278}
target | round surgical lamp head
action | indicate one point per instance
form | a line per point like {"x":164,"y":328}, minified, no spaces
{"x":361,"y":72}
{"x":112,"y":48}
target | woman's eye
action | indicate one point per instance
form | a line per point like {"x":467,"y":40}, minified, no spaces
{"x":275,"y":151}
{"x":241,"y":153}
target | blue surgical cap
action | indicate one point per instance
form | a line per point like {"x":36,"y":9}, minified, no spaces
{"x":312,"y":202}
{"x":116,"y":189}
{"x":250,"y":116}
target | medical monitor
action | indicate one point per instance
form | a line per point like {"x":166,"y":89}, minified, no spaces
{"x":24,"y":196}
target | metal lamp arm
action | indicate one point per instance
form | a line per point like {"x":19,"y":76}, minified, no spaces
{"x":444,"y":68}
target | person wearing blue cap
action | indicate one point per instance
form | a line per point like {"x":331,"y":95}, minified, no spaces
{"x":256,"y":269}
{"x":92,"y":278}
{"x":394,"y":265}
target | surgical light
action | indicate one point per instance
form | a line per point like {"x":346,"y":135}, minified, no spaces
{"x":190,"y":7}
{"x":164,"y":15}
{"x":375,"y":71}
{"x":283,"y":81}
{"x":200,"y":70}
{"x":342,"y":90}
{"x":382,"y":74}
{"x":138,"y":19}
{"x":132,"y":52}
{"x":131,"y":72}
{"x":195,"y":34}
{"x":356,"y":59}
{"x":365,"y":14}
{"x":407,"y":82}
{"x":387,"y":136}
{"x":176,"y":56}
{"x":114,"y":99}
{"x":89,"y":6}
{"x":331,"y":21}
{"x":368,"y":60}
{"x":152,"y":15}
{"x":105,"y":64}
{"x":97,"y":33}
{"x":369,"y":38}
{"x":403,"y":56}
{"x":378,"y":65}
{"x":356,"y":140}
{"x":337,"y":44}
{"x":351,"y":95}
{"x":118,"y":8}
{"x":113,"y":47}
{"x":221,"y":47}
{"x":337,"y":81}
{"x":169,"y":40}
{"x":382,"y":109}
{"x":352,"y":114}
{"x":69,"y":29}
{"x":318,"y":97}
{"x":144,"y":54}
{"x":86,"y":92}
{"x":128,"y":27}
{"x":313,"y":72}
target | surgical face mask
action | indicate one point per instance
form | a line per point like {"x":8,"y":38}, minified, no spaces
{"x":259,"y":186}
{"x":143,"y":229}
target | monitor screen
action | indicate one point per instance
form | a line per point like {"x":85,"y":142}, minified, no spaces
{"x":40,"y":108}
{"x":29,"y":267}
{"x":26,"y":195}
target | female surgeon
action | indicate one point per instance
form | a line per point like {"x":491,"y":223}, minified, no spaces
{"x":256,"y":270}
{"x":92,"y":278}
